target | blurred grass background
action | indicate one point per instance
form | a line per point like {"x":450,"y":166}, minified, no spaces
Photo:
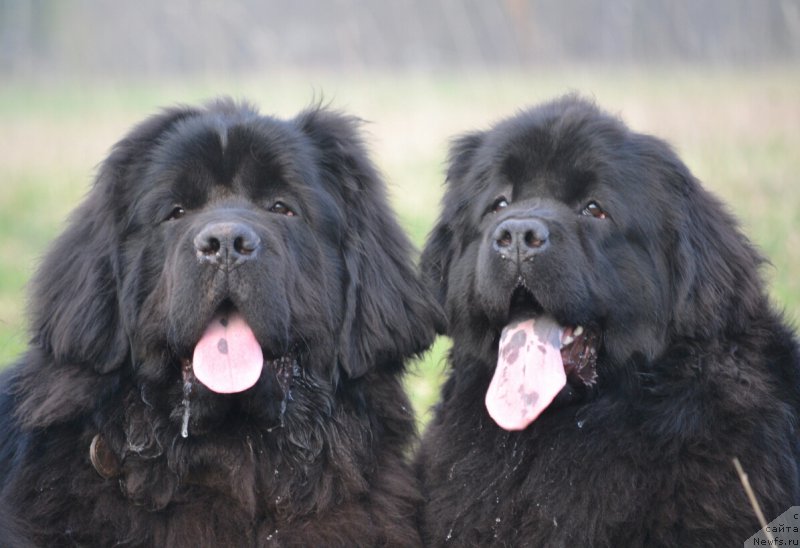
{"x":738,"y":130}
{"x":719,"y":79}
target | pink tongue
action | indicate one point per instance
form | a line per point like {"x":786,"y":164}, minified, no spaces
{"x":529,"y":372}
{"x":228,"y":358}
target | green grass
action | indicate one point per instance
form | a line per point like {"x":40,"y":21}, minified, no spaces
{"x":739,"y":131}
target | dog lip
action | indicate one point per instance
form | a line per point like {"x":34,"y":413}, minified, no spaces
{"x":228,"y":306}
{"x":522,"y":303}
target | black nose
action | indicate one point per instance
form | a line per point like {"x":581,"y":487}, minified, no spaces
{"x":520,"y":239}
{"x":226,"y":243}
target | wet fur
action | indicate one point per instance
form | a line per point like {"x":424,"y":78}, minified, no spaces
{"x":119,"y":299}
{"x":695,"y":368}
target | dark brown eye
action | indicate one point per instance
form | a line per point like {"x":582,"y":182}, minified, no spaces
{"x":176,"y":213}
{"x":282,"y":209}
{"x":594,"y":210}
{"x":498,"y":204}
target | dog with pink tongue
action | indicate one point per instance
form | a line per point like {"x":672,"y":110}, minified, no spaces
{"x":613,"y":348}
{"x":217,"y":346}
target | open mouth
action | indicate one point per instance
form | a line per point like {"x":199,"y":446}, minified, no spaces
{"x":536,"y":358}
{"x":228,"y":359}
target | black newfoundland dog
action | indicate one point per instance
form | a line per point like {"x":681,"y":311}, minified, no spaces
{"x":217,"y":345}
{"x":613,"y":348}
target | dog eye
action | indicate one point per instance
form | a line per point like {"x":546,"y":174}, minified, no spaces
{"x":282,"y":209}
{"x":176,"y":213}
{"x":594,"y":210}
{"x":498,"y":204}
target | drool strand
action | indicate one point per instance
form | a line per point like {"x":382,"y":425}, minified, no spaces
{"x":187,"y":392}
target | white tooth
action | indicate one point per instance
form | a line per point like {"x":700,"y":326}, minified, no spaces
{"x":566,"y":341}
{"x":578,"y":331}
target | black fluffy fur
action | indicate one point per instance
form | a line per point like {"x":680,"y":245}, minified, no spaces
{"x":121,"y":298}
{"x":695,"y":366}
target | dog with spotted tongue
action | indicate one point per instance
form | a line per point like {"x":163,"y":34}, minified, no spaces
{"x":614,"y":347}
{"x":529,"y":374}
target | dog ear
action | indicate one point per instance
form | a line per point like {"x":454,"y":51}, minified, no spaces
{"x":716,"y":283}
{"x":440,"y":246}
{"x":75,"y":311}
{"x":389,"y":315}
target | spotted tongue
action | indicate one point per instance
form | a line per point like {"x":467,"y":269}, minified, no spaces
{"x":529,"y":373}
{"x":228,"y":358}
